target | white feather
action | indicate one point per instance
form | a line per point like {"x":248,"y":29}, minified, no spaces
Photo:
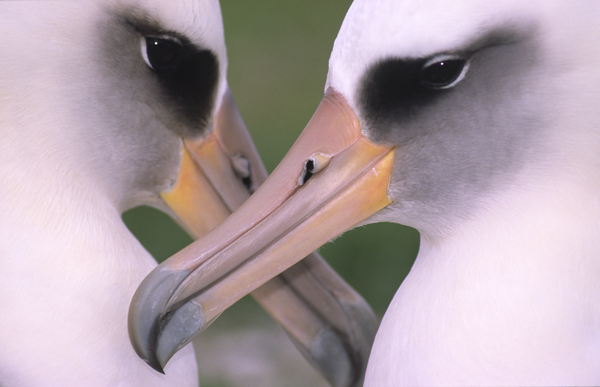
{"x":508,"y":294}
{"x":68,"y":167}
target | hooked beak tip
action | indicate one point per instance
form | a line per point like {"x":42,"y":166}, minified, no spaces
{"x":177,"y":329}
{"x":154,"y":334}
{"x":156,"y":366}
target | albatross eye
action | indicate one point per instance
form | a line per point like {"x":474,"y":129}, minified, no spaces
{"x":443,"y":73}
{"x":161,"y":54}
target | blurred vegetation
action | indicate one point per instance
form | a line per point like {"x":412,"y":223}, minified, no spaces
{"x":278,"y":59}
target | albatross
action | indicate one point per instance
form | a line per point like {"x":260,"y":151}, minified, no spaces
{"x":106,"y":105}
{"x":478,"y":124}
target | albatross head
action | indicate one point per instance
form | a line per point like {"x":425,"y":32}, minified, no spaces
{"x":473,"y":96}
{"x":115,"y":90}
{"x":432,"y":111}
{"x":104,"y":105}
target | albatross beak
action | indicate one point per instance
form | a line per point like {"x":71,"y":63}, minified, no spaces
{"x":329,"y":322}
{"x":331,"y":179}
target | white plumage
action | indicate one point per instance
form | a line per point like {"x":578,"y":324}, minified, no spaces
{"x":75,"y":151}
{"x":504,"y":290}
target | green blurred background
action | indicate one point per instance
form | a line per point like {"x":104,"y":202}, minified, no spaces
{"x":278,"y":59}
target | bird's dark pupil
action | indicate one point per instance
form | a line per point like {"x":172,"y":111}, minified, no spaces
{"x":163,"y":54}
{"x":442,"y":73}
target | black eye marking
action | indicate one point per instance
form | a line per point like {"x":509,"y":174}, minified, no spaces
{"x":187,"y":74}
{"x":397,"y":89}
{"x":442,"y":73}
{"x":161,"y":54}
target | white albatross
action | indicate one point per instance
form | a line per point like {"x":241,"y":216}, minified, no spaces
{"x":105,"y":105}
{"x":477,"y":123}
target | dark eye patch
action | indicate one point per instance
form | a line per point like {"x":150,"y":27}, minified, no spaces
{"x":188,"y":76}
{"x":394,"y":84}
{"x":397,"y":89}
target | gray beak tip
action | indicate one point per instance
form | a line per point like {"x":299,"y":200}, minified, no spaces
{"x":332,"y":358}
{"x":155,"y":335}
{"x":177,"y":329}
{"x":156,"y":365}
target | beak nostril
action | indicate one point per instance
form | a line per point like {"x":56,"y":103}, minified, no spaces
{"x":307,"y":172}
{"x":241,"y":167}
{"x":314,"y":164}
